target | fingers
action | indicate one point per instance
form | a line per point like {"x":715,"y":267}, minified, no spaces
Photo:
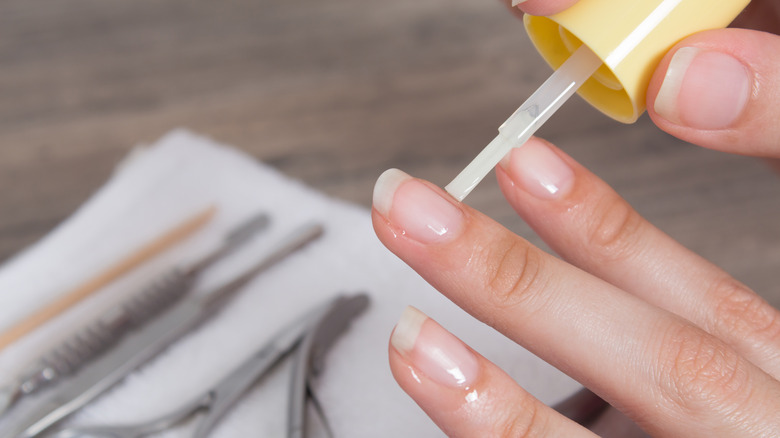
{"x":720,"y":89}
{"x":588,"y":224}
{"x":464,"y":393}
{"x":669,"y":376}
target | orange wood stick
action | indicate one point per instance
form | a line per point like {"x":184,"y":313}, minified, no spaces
{"x":113,"y":272}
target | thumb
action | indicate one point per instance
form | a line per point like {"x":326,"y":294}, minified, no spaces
{"x":721,"y":89}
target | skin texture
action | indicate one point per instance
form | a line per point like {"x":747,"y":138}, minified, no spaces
{"x":670,"y":340}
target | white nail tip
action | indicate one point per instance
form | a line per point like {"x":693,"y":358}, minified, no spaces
{"x":666,"y":100}
{"x":517,"y":2}
{"x":385,"y":188}
{"x":408,"y":328}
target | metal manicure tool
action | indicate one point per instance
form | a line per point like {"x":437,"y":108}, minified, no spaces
{"x":98,"y":336}
{"x":141,"y":345}
{"x":309,"y":336}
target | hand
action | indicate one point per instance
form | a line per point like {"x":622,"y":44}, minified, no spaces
{"x":664,"y":336}
{"x":720,"y":88}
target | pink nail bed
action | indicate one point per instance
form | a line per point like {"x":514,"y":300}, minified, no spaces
{"x":704,"y":89}
{"x":539,"y":170}
{"x":434,"y":351}
{"x":422,"y":213}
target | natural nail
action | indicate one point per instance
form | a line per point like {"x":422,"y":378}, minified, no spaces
{"x":423,"y":213}
{"x":436,"y":352}
{"x":703,"y":89}
{"x":539,"y":170}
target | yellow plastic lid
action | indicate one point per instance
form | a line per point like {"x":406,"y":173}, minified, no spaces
{"x":630,"y":37}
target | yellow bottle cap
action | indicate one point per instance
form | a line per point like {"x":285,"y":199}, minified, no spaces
{"x":630,"y":37}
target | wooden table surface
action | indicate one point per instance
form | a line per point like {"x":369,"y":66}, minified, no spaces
{"x":332,"y":92}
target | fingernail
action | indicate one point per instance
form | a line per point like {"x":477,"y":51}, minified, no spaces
{"x":703,"y":89}
{"x":422,"y":213}
{"x":538,"y":170}
{"x":436,"y":352}
{"x":517,"y":2}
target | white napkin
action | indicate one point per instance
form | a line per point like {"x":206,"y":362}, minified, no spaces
{"x":157,"y":187}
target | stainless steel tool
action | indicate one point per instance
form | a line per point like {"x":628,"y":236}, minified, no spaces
{"x":144,"y":343}
{"x":310,"y":336}
{"x":98,"y":336}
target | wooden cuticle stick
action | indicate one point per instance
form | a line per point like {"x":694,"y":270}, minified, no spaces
{"x":107,"y":276}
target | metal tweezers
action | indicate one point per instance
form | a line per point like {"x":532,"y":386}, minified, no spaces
{"x":309,"y":337}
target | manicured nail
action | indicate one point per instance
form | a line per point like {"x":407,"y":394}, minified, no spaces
{"x":436,"y":352}
{"x":538,"y":170}
{"x":704,"y":89}
{"x":421,"y":212}
{"x":517,"y":2}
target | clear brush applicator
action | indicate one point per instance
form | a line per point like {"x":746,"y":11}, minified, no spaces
{"x":628,"y":38}
{"x":531,"y":115}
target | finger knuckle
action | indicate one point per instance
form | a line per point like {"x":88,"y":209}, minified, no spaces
{"x":523,"y":422}
{"x":700,"y":373}
{"x":615,"y":229}
{"x":513,"y":275}
{"x":742,"y":314}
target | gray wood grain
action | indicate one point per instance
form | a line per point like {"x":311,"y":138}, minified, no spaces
{"x":332,"y":93}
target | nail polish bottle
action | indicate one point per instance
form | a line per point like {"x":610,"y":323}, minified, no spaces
{"x":630,"y":37}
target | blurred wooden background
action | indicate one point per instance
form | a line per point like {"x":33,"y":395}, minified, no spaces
{"x":331,"y":92}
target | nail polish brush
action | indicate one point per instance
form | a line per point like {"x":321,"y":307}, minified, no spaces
{"x":605,"y":50}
